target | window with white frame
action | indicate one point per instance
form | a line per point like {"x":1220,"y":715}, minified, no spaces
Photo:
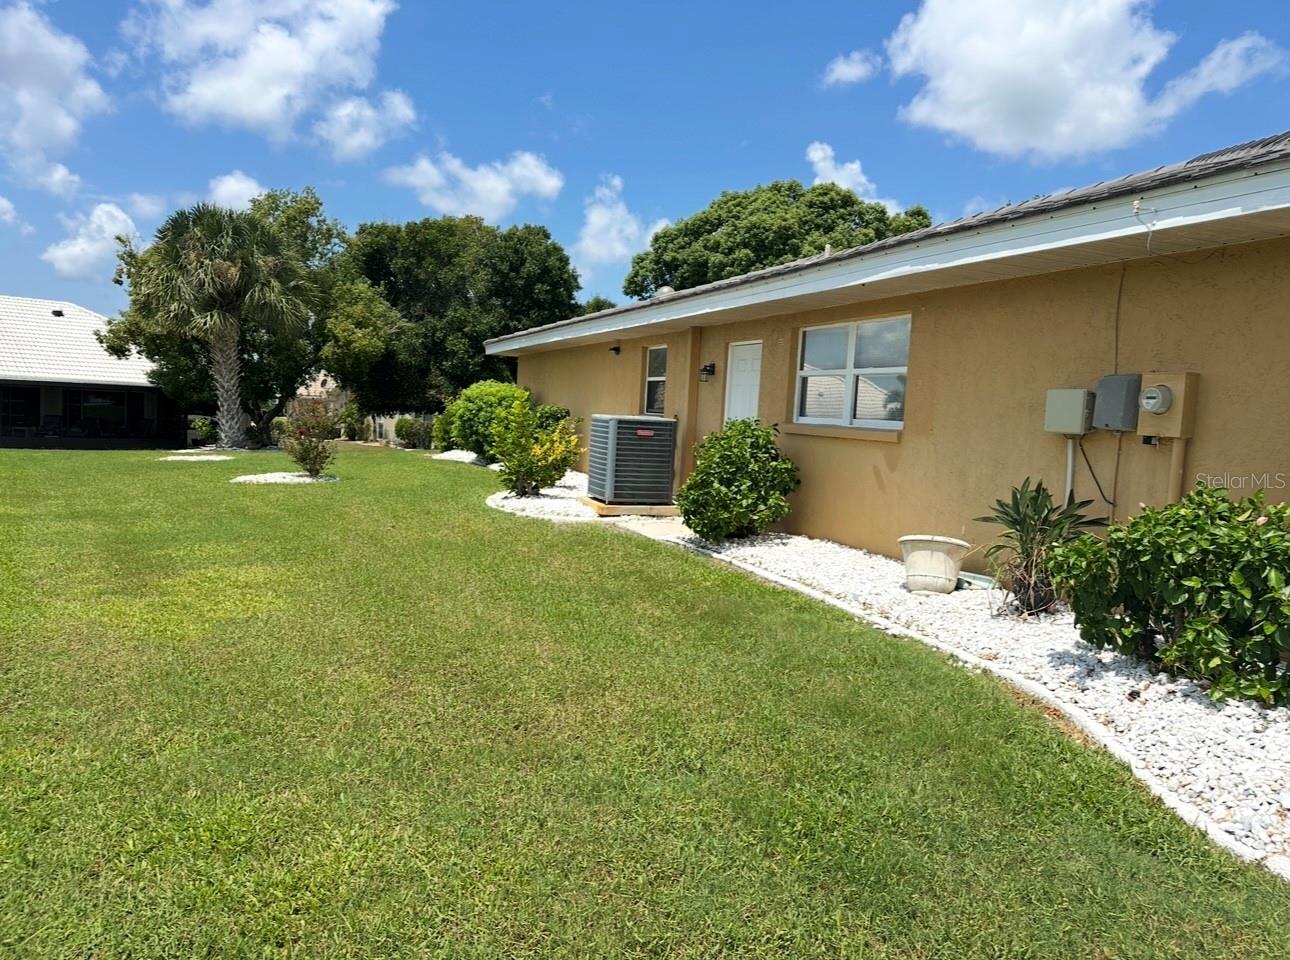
{"x":853,"y":374}
{"x":655,"y":380}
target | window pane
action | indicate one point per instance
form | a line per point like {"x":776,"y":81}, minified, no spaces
{"x":883,"y":343}
{"x":657,"y":365}
{"x":654,"y":394}
{"x":825,"y":349}
{"x":823,"y":397}
{"x":880,"y":396}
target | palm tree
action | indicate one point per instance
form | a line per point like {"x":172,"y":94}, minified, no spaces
{"x":208,"y":270}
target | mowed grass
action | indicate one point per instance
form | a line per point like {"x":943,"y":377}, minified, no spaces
{"x":378,"y":719}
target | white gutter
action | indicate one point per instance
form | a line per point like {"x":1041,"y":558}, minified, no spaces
{"x":1223,"y":197}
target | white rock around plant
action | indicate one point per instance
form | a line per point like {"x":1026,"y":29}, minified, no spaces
{"x":282,"y":477}
{"x":460,"y":456}
{"x":561,"y":502}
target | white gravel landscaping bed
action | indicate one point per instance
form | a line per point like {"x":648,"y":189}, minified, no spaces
{"x":561,"y":503}
{"x":282,"y":477}
{"x":1223,"y":767}
{"x":194,"y":458}
{"x":460,"y":456}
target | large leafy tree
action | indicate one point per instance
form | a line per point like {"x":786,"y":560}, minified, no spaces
{"x":763,"y":227}
{"x":275,"y":360}
{"x":595,"y":304}
{"x":448,"y":285}
{"x":210,"y":274}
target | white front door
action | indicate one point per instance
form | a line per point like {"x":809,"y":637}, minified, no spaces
{"x":743,"y":380}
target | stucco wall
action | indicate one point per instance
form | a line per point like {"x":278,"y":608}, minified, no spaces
{"x":981,"y":359}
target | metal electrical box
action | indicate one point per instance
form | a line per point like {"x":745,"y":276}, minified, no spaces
{"x":1116,"y":406}
{"x":1069,"y":412}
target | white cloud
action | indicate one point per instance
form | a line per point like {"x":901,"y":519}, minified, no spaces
{"x":850,"y":175}
{"x":147,"y":206}
{"x":259,"y":64}
{"x":90,"y":248}
{"x":45,"y":94}
{"x":610,"y":231}
{"x":8,"y":212}
{"x":490,"y":190}
{"x":235,"y":190}
{"x":1228,"y":66}
{"x":1053,"y":78}
{"x":355,"y":126}
{"x":854,"y":67}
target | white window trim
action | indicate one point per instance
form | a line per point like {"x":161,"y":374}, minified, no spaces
{"x":648,"y":380}
{"x":850,"y":373}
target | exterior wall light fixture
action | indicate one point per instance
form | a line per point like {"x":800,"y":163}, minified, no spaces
{"x":706,"y":372}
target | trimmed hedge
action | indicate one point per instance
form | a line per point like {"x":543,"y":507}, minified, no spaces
{"x":740,"y":484}
{"x":475,"y":411}
{"x":1197,"y":587}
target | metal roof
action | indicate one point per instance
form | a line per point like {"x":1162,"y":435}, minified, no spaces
{"x":1239,"y":157}
{"x":39,"y":346}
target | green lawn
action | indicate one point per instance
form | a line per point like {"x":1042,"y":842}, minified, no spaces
{"x":378,"y":719}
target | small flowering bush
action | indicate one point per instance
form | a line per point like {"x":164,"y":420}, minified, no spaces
{"x":532,"y":455}
{"x":740,"y":484}
{"x":307,"y":438}
{"x":1198,"y":587}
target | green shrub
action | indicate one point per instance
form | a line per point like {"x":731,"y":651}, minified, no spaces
{"x":476,"y":409}
{"x":1032,"y":525}
{"x":413,"y":432}
{"x":740,"y":484}
{"x":1197,"y":587}
{"x":550,"y":414}
{"x":206,"y":429}
{"x":353,"y":422}
{"x":532,"y":456}
{"x":308,"y":437}
{"x":441,"y":431}
{"x":278,"y":429}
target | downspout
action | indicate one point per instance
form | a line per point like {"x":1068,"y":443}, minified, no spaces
{"x":689,"y":432}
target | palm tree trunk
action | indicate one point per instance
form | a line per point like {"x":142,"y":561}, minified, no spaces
{"x":226,"y":368}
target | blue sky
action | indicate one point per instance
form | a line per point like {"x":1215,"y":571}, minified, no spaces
{"x":600,"y":121}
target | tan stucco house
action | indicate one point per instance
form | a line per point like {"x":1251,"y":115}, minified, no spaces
{"x":909,"y":378}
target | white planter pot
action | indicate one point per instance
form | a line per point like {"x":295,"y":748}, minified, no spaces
{"x":932,"y":563}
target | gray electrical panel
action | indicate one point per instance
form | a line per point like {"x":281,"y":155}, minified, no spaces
{"x":1116,"y":405}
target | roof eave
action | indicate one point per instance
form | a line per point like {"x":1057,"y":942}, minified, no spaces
{"x":1226,"y":196}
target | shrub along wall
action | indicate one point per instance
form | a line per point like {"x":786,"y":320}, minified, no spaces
{"x":1198,"y":587}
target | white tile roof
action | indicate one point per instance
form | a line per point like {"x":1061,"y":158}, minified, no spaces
{"x":37,"y":346}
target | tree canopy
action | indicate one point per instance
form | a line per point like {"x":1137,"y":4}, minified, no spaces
{"x":752,"y":229}
{"x":275,"y":360}
{"x":448,"y":285}
{"x":594,"y":305}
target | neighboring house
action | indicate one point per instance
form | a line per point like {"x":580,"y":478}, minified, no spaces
{"x":323,"y":386}
{"x":909,"y":377}
{"x":59,"y":386}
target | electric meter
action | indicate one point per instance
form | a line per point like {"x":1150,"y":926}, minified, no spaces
{"x":1156,"y":399}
